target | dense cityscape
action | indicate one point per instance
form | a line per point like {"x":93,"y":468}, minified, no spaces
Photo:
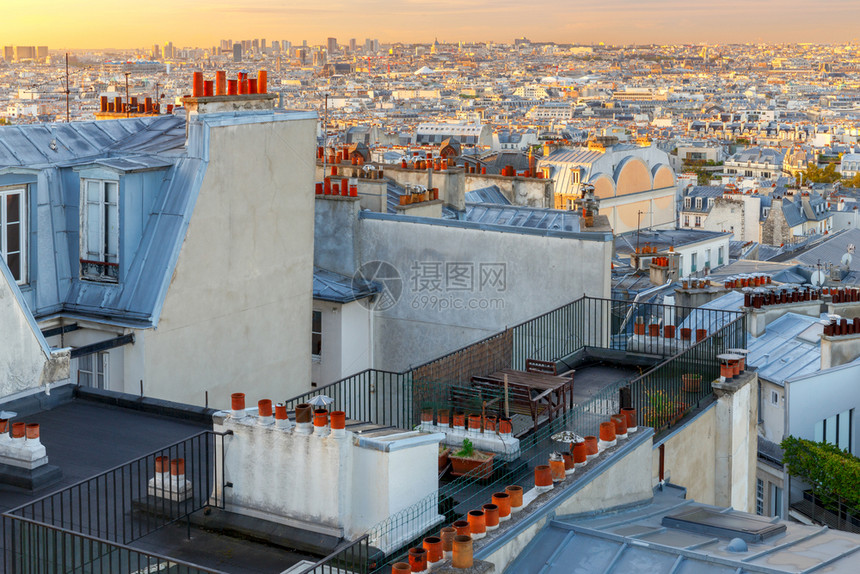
{"x":486,"y":307}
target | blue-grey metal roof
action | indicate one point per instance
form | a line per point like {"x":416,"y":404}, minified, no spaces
{"x":780,"y":354}
{"x":338,"y":288}
{"x":518,"y":216}
{"x":639,"y":541}
{"x":832,"y":249}
{"x":491,"y":194}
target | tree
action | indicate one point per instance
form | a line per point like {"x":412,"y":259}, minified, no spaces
{"x":853,"y":181}
{"x":815,"y":174}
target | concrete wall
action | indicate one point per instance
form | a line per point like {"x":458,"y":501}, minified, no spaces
{"x":736,"y":441}
{"x":339,"y":486}
{"x":238,"y":309}
{"x":627,"y":481}
{"x":26,"y":361}
{"x":336,"y":234}
{"x":346,"y":341}
{"x":433,"y":315}
{"x":450,"y":182}
{"x":813,"y":398}
{"x":838,"y":350}
{"x":688,"y":457}
{"x":528,"y":191}
{"x":738,"y":214}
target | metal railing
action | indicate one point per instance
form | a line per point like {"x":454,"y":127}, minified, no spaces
{"x":395,"y":399}
{"x":36,"y":548}
{"x":661,"y":397}
{"x":354,"y":558}
{"x":126,"y":503}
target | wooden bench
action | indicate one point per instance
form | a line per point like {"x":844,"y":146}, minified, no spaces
{"x":522,"y":399}
{"x":538,"y":366}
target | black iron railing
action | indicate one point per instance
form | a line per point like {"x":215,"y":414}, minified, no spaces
{"x":353,"y":558}
{"x":127,"y":502}
{"x":36,"y":548}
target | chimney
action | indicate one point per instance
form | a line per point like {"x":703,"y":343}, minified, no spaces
{"x":840,"y":342}
{"x":218,"y":95}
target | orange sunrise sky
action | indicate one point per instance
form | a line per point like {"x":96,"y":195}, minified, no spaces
{"x":110,"y":24}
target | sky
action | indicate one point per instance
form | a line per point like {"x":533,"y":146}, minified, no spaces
{"x":76,"y":24}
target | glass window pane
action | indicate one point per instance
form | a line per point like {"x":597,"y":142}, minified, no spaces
{"x":13,"y":260}
{"x":13,"y":207}
{"x":819,"y":431}
{"x":830,"y":430}
{"x":93,"y":192}
{"x":13,"y":237}
{"x":316,"y":344}
{"x":111,"y":192}
{"x":844,"y":429}
{"x":317,"y":322}
{"x":93,"y":239}
{"x":112,"y":225}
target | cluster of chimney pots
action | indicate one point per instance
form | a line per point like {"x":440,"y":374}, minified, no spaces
{"x":667,"y":331}
{"x":21,"y":432}
{"x":308,"y":419}
{"x":455,"y":541}
{"x":758,"y":298}
{"x":134,"y":106}
{"x":842,"y":326}
{"x":732,"y":363}
{"x":475,"y":423}
{"x":342,"y":166}
{"x":221,"y":86}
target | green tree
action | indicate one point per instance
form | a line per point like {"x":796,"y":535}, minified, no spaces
{"x":815,"y":174}
{"x":852,"y":181}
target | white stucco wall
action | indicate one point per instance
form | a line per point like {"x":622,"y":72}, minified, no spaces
{"x":238,"y":309}
{"x":26,"y":362}
{"x":346,"y":341}
{"x":818,"y":396}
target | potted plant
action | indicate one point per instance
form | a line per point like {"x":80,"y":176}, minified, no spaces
{"x":444,"y":451}
{"x":662,"y":410}
{"x":471,"y":462}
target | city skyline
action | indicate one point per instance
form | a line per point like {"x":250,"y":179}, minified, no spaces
{"x":103,"y":25}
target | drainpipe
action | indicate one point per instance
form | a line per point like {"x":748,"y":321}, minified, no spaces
{"x":636,"y":300}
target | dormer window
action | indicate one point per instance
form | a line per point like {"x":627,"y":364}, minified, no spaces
{"x":13,"y":233}
{"x":710,"y":202}
{"x":100,"y":230}
{"x":687,"y":202}
{"x":698,"y":203}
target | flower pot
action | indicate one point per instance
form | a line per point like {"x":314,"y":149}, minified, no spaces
{"x":691,"y":382}
{"x":491,"y":516}
{"x":477,"y":524}
{"x":462,"y":552}
{"x":417,"y":559}
{"x":654,"y":330}
{"x":503,"y":501}
{"x":433,"y":546}
{"x":515,"y":491}
{"x":701,"y":334}
{"x":479,"y":465}
{"x":639,"y":329}
{"x":543,"y":476}
{"x":669,"y":331}
{"x":444,"y":453}
{"x":686,"y":332}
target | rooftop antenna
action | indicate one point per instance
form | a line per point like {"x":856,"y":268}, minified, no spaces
{"x":67,"y":88}
{"x":127,"y":108}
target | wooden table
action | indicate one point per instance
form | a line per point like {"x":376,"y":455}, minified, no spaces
{"x":561,"y":387}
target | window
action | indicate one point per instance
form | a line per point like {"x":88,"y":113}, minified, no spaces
{"x":316,"y":335}
{"x":13,"y":234}
{"x":774,"y":398}
{"x":93,"y":370}
{"x":719,"y":256}
{"x":686,"y":221}
{"x":710,"y":202}
{"x":698,"y":203}
{"x":100,"y":229}
{"x":693,"y":256}
{"x":748,"y":173}
{"x":574,"y":176}
{"x":708,"y":258}
{"x":759,"y":496}
{"x":837,"y":430}
{"x":687,"y":202}
{"x":775,"y":500}
{"x":698,"y":221}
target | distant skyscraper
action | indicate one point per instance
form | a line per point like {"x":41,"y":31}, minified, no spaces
{"x":25,"y":53}
{"x":237,"y":52}
{"x":41,"y":52}
{"x":376,"y":44}
{"x":263,"y":44}
{"x":331,"y":46}
{"x":255,"y":44}
{"x":352,"y":44}
{"x":8,"y":53}
{"x":168,"y":51}
{"x":156,"y":52}
{"x":368,"y":45}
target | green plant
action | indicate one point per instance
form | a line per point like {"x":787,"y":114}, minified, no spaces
{"x":467,"y":450}
{"x":661,"y":409}
{"x":832,"y":473}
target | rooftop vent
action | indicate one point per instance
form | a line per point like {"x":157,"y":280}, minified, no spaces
{"x":747,"y":527}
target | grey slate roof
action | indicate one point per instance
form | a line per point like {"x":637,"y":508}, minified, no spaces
{"x":832,"y":249}
{"x":636,"y":541}
{"x":491,"y":194}
{"x":518,"y":216}
{"x":338,"y":288}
